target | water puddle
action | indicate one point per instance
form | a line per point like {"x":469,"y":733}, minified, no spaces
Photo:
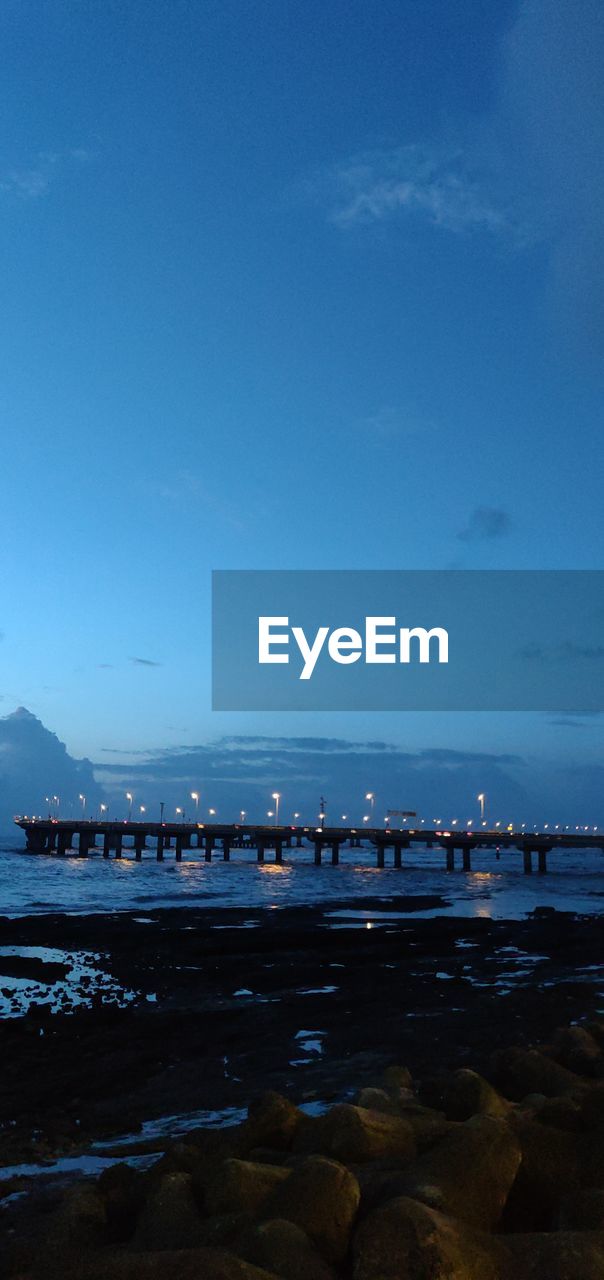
{"x":59,"y":980}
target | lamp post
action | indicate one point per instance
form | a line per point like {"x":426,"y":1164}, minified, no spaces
{"x":162,"y":806}
{"x":102,"y":810}
{"x":322,"y":813}
{"x":195,"y":797}
{"x":371,"y":798}
{"x":481,"y":800}
{"x":129,"y":799}
{"x":276,"y":798}
{"x":242,"y":815}
{"x":82,"y":800}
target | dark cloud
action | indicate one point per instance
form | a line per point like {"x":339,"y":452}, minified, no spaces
{"x":145,"y":662}
{"x":485,"y":524}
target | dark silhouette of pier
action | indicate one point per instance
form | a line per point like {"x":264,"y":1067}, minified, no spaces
{"x":114,"y":839}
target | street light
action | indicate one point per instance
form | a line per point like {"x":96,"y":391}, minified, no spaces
{"x":371,"y":798}
{"x":242,"y":815}
{"x":178,"y":811}
{"x":195,"y":797}
{"x":83,"y":803}
{"x":481,"y":800}
{"x":102,"y":810}
{"x":212,"y":813}
{"x":142,"y":808}
{"x":296,"y":816}
{"x":276,"y":798}
{"x":129,"y":799}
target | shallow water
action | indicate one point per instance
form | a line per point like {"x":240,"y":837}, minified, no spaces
{"x":31,"y":884}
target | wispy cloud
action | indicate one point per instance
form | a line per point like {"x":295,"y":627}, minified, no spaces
{"x":29,"y":182}
{"x":485,"y":524}
{"x":410,"y":181}
{"x":145,"y":662}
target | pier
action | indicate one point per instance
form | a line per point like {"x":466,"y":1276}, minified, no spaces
{"x":52,"y":836}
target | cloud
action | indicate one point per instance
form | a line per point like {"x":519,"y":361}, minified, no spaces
{"x":30,"y":182}
{"x":568,"y":651}
{"x":410,"y":181}
{"x":145,"y":662}
{"x":485,"y":524}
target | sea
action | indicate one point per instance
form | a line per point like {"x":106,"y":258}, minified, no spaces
{"x":498,"y":889}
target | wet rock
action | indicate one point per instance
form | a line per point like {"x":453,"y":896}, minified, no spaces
{"x":519,"y":1072}
{"x":376,"y":1100}
{"x":592,"y":1106}
{"x":576,"y":1049}
{"x":561,"y":1113}
{"x":123,"y":1193}
{"x":170,"y":1217}
{"x":469,"y":1094}
{"x":396,"y":1077}
{"x":241,"y":1185}
{"x":79,"y":1221}
{"x":283,"y":1247}
{"x":353,"y":1134}
{"x":321,"y":1197}
{"x":406,"y":1240}
{"x":469,"y":1174}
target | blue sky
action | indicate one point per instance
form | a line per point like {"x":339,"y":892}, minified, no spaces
{"x":287,"y":286}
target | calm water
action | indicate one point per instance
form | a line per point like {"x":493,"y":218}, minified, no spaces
{"x":32,"y":883}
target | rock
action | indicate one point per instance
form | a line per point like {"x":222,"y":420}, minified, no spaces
{"x":123,"y":1191}
{"x":272,"y":1122}
{"x":469,"y":1094}
{"x":353,"y":1134}
{"x":583,"y":1210}
{"x":469,"y":1174}
{"x":79,"y":1221}
{"x":576,"y":1049}
{"x":561,"y":1113}
{"x":427,"y":1125}
{"x":559,"y":1255}
{"x":227,"y":1231}
{"x":549,"y":1170}
{"x":185,"y":1264}
{"x":321,"y":1197}
{"x":406,"y":1240}
{"x":522,"y":1071}
{"x":170,"y":1216}
{"x":376,"y":1100}
{"x":396,"y":1077}
{"x":283,"y":1247}
{"x":241,"y":1185}
{"x":592,"y":1106}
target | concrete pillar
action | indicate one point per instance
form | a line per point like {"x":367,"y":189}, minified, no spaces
{"x":179,"y":840}
{"x":63,"y":841}
{"x":139,"y":844}
{"x":381,"y":850}
{"x":209,"y":847}
{"x":52,"y":839}
{"x":318,"y":853}
{"x":335,"y":853}
{"x":528,"y":862}
{"x":167,"y":841}
{"x":106,"y":844}
{"x":226,"y":849}
{"x":261,"y":850}
{"x":467,"y":857}
{"x":200,"y":839}
{"x":83,"y":843}
{"x":298,"y":842}
{"x":279,"y":851}
{"x":543,"y":861}
{"x":450,"y":857}
{"x":159,"y":852}
{"x":398,"y":856}
{"x":118,"y":844}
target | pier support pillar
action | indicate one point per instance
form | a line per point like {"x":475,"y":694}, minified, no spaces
{"x":226,"y":849}
{"x":106,"y":844}
{"x":398,"y":856}
{"x":261,"y":850}
{"x":84,"y":843}
{"x":467,"y":858}
{"x":318,"y":853}
{"x":63,"y":841}
{"x":159,"y":852}
{"x":542,"y":861}
{"x":528,"y":862}
{"x":209,"y":848}
{"x":118,"y":845}
{"x":381,"y":851}
{"x":139,"y":844}
{"x":279,"y":851}
{"x":450,"y":858}
{"x":298,"y":842}
{"x":179,"y":843}
{"x":335,"y":853}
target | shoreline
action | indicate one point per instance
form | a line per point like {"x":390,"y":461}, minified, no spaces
{"x":229,"y":1002}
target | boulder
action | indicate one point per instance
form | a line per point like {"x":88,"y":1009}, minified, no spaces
{"x":518,"y":1072}
{"x":549,"y":1170}
{"x":583,"y":1210}
{"x":321,"y":1197}
{"x":283,"y":1247}
{"x":406,"y":1240}
{"x":557,"y":1255}
{"x":396,"y":1077}
{"x":576,"y":1049}
{"x":376,"y":1100}
{"x":78,"y":1222}
{"x":184,"y":1264}
{"x":272,"y":1122}
{"x":561,"y":1113}
{"x":592,"y":1106}
{"x":170,"y":1217}
{"x":242,"y":1186}
{"x":469,"y":1094}
{"x":469,"y":1174}
{"x":123,"y":1192}
{"x":353,"y":1134}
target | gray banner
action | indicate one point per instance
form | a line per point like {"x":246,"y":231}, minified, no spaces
{"x":408,"y":640}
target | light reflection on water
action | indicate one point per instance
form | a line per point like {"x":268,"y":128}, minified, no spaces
{"x":32,"y":883}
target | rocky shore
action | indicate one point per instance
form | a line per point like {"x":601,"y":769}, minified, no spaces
{"x":435,"y":1150}
{"x":473,"y":1179}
